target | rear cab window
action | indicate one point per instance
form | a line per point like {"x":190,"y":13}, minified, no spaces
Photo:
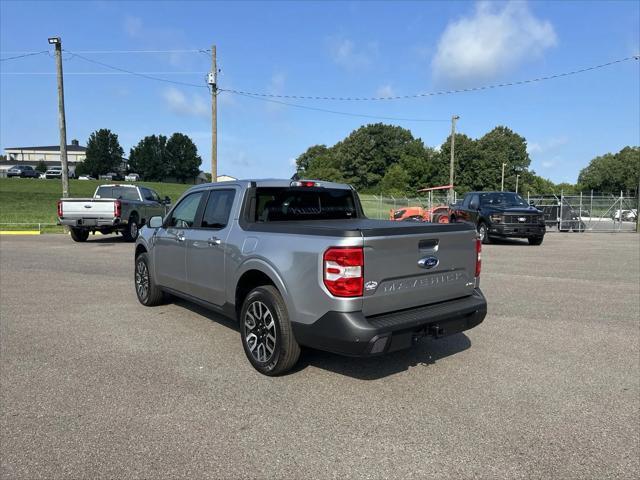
{"x":277,"y":204}
{"x":122,"y":193}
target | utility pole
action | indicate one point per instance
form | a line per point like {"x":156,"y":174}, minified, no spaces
{"x":517,"y":178}
{"x":62,"y":123}
{"x":502,"y":181}
{"x":453,"y":146}
{"x":214,"y":115}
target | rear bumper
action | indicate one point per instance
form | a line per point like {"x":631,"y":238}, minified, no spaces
{"x":517,"y":230}
{"x":353,"y":334}
{"x":90,"y":222}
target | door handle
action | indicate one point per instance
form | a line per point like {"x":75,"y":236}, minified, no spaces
{"x":214,"y":241}
{"x":180,"y":237}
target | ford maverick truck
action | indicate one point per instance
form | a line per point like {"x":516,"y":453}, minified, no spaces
{"x":298,"y":264}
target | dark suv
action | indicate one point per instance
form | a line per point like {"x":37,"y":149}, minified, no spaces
{"x":500,"y":214}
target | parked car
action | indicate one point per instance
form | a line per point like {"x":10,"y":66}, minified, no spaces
{"x":53,"y":172}
{"x":625,"y":215}
{"x":501,"y":214}
{"x":23,"y":171}
{"x":113,"y":209}
{"x":112,"y":177}
{"x":297,"y":263}
{"x":85,"y":177}
{"x":132,"y":177}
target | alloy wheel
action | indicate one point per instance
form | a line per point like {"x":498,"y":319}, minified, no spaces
{"x":260,"y":331}
{"x":142,"y":280}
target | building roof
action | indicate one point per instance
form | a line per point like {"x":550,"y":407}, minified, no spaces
{"x":50,"y":148}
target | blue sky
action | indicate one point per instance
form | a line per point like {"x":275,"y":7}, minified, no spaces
{"x":332,"y":49}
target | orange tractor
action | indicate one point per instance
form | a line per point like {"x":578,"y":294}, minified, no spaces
{"x":436,"y":214}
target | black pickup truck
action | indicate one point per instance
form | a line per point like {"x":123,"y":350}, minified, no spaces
{"x":500,"y":214}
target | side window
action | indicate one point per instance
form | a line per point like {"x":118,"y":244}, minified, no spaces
{"x":466,"y":201}
{"x":218,"y":209}
{"x":154,"y":196}
{"x":184,"y":215}
{"x":149,"y":195}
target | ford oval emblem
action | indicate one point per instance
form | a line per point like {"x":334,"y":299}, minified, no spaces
{"x":428,"y":262}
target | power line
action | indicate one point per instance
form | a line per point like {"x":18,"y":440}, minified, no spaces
{"x":27,"y":54}
{"x":199,"y":50}
{"x":138,"y":74}
{"x":103,"y":73}
{"x":430,"y":94}
{"x":348,"y":114}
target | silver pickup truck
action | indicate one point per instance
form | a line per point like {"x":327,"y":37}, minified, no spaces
{"x":297,"y":263}
{"x":113,"y":208}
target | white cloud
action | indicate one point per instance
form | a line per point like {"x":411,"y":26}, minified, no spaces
{"x":133,"y":26}
{"x":548,"y":164}
{"x":347,"y":54}
{"x":385,"y":91}
{"x":493,"y":40}
{"x":292,"y":162}
{"x":179,"y":103}
{"x":548,"y":145}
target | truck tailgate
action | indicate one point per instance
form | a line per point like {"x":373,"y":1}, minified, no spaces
{"x":394,"y":279}
{"x":87,"y":208}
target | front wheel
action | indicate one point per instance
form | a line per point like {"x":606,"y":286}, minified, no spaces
{"x":483,"y":230}
{"x":148,"y":293}
{"x":266,"y":333}
{"x":79,"y":234}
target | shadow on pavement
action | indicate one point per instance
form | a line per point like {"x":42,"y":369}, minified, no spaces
{"x":425,"y":352}
{"x":509,"y":241}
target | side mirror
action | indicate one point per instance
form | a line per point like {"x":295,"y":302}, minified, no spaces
{"x":155,"y":222}
{"x":167,"y":200}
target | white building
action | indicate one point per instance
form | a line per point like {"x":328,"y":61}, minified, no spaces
{"x":49,"y":154}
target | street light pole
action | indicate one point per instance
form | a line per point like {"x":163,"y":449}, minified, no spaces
{"x":452,"y":162}
{"x":62,"y":122}
{"x":502,"y":181}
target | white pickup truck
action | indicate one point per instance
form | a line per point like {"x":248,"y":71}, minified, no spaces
{"x":113,"y":209}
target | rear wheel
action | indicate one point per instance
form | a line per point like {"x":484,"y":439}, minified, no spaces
{"x":148,"y":293}
{"x":131,"y":231}
{"x":535,"y":240}
{"x":79,"y":234}
{"x":266,"y":332}
{"x":483,"y":230}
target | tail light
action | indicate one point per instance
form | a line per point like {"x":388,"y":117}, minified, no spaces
{"x":304,"y":183}
{"x":117,"y":208}
{"x":344,"y":271}
{"x":478,"y":256}
{"x":60,"y":208}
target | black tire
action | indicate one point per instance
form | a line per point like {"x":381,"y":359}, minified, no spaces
{"x":79,"y":234}
{"x":130,"y":232}
{"x":483,"y":230}
{"x":148,"y":293}
{"x":285,"y":351}
{"x":535,"y":240}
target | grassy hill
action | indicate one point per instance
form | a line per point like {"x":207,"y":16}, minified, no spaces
{"x":25,"y":200}
{"x":34,"y":201}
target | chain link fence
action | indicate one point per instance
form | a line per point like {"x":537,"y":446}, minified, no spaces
{"x":563,"y":213}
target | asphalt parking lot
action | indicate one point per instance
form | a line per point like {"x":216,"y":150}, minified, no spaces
{"x":95,"y":385}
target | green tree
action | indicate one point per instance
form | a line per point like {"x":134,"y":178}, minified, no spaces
{"x":366,"y":154}
{"x":104,"y":153}
{"x":149,"y":158}
{"x":612,"y":173}
{"x":183,"y":161}
{"x":395,"y":181}
{"x":304,"y":160}
{"x":41,"y":166}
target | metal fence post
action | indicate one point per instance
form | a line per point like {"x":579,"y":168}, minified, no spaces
{"x":580,"y":215}
{"x":561,"y":205}
{"x":620,"y":213}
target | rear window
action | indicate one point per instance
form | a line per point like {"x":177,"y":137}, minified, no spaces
{"x":276,"y":204}
{"x":124,"y":193}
